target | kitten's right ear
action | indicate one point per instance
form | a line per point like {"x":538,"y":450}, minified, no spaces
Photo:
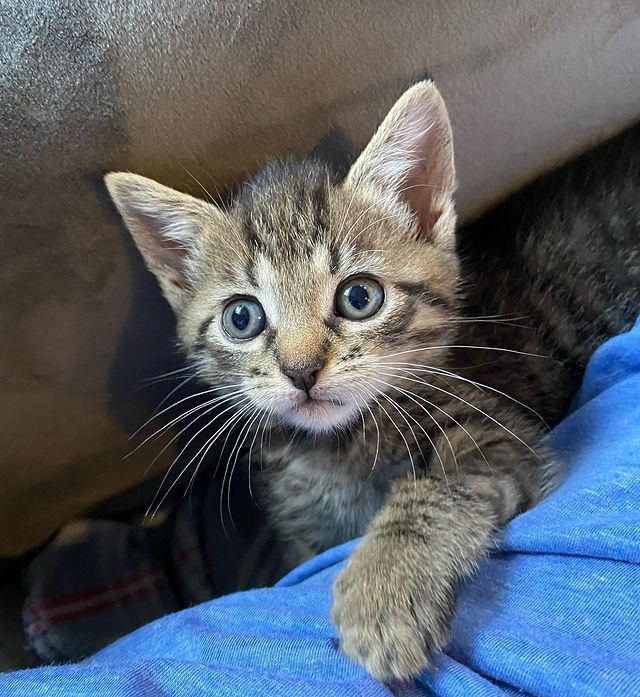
{"x":165,"y":225}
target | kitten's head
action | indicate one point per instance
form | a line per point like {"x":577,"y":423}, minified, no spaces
{"x":305,"y":290}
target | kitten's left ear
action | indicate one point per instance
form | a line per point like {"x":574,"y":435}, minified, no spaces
{"x":410,"y":158}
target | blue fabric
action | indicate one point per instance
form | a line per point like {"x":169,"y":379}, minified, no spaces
{"x":555,"y":611}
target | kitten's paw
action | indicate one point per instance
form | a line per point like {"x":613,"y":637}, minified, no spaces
{"x":389,"y":617}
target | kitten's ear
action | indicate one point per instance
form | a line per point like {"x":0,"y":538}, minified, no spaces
{"x":410,"y":158}
{"x":165,"y":225}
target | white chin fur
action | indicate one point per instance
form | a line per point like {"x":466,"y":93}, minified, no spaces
{"x":318,"y":417}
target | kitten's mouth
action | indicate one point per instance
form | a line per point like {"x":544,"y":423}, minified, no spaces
{"x":320,"y":400}
{"x":318,"y":414}
{"x":310,"y":403}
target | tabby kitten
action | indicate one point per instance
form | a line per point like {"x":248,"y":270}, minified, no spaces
{"x":336,"y":311}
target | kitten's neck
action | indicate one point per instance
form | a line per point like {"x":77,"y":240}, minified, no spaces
{"x":393,"y":438}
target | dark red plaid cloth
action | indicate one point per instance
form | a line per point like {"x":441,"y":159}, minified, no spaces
{"x":100,"y":579}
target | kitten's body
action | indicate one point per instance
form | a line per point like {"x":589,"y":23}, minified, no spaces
{"x":555,"y":283}
{"x":436,"y":445}
{"x":565,"y":255}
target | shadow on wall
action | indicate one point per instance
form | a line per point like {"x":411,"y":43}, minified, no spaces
{"x":146,"y":347}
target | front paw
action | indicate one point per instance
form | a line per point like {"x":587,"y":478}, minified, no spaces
{"x":390,"y":610}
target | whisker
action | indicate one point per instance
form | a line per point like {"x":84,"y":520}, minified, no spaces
{"x":377,"y":204}
{"x":173,"y":391}
{"x":460,"y":346}
{"x":364,"y":252}
{"x":435,"y":371}
{"x":411,"y":395}
{"x":464,"y":401}
{"x":400,"y":411}
{"x":227,"y":426}
{"x":261,"y":425}
{"x":238,"y":448}
{"x":167,"y":374}
{"x":262,"y":437}
{"x":345,"y":237}
{"x":364,"y":427}
{"x":377,"y":451}
{"x":328,"y":188}
{"x":157,"y":382}
{"x":455,"y":421}
{"x":346,"y":213}
{"x":370,"y":225}
{"x":184,"y":469}
{"x":455,"y":459}
{"x":213,"y":405}
{"x":500,"y":315}
{"x":175,"y":404}
{"x":210,"y":197}
{"x":182,"y":416}
{"x":478,"y":320}
{"x":413,"y":468}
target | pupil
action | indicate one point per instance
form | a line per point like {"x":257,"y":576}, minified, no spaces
{"x":358,"y":297}
{"x":240,"y":317}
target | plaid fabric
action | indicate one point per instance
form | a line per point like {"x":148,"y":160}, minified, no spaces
{"x":98,"y":580}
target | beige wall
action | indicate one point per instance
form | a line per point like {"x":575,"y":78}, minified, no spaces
{"x":215,"y":88}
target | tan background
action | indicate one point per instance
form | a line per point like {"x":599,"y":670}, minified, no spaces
{"x":215,"y":88}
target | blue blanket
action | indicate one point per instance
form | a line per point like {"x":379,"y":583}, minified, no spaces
{"x":555,"y":611}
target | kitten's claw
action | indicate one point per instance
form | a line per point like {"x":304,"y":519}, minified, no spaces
{"x":388,"y":619}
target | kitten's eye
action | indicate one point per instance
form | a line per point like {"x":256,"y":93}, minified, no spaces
{"x":243,"y":319}
{"x":359,"y":298}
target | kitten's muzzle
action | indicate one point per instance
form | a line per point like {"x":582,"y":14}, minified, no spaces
{"x":304,"y":375}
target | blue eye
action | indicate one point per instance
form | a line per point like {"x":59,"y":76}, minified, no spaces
{"x":359,"y":298}
{"x":243,"y":319}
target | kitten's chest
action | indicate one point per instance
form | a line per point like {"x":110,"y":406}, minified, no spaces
{"x":319,"y":498}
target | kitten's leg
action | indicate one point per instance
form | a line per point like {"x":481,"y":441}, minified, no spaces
{"x":394,"y":600}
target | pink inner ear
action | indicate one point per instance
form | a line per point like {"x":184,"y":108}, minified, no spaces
{"x":163,"y":255}
{"x":425,"y":193}
{"x":431,"y":179}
